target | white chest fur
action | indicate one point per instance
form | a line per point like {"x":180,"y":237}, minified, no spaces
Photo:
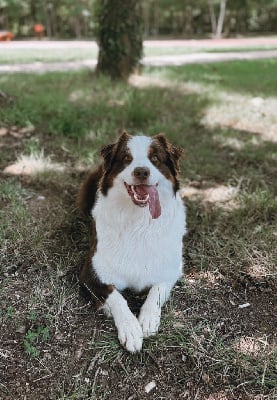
{"x":134,"y":250}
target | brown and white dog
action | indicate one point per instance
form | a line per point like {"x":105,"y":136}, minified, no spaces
{"x":139,"y":223}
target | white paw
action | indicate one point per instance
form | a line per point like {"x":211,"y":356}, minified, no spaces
{"x":130,"y":334}
{"x":149,"y":319}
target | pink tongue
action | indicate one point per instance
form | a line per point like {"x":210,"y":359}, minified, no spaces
{"x":154,"y":202}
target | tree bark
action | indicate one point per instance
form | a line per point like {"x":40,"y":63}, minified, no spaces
{"x":212,"y":16}
{"x":146,"y":18}
{"x":156,"y":18}
{"x":47,"y":20}
{"x":119,"y":37}
{"x":220,"y":21}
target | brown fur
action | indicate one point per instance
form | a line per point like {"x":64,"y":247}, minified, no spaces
{"x":116,"y":158}
{"x":88,"y":190}
{"x":168,"y":158}
{"x":90,"y":286}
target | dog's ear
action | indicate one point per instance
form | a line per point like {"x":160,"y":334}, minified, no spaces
{"x":109,"y":151}
{"x":174,"y":152}
{"x":124,"y":136}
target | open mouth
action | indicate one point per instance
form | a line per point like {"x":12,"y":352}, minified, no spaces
{"x":139,"y":194}
{"x":143,"y":195}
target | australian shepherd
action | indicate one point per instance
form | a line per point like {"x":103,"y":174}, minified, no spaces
{"x":139,"y":222}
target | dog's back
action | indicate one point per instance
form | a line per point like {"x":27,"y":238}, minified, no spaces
{"x":88,"y":190}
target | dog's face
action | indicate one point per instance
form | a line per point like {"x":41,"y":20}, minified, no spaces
{"x":141,"y":164}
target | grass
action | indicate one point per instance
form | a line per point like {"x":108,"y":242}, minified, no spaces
{"x":242,"y":49}
{"x":207,"y":346}
{"x":247,"y":77}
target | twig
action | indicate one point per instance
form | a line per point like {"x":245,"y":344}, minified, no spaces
{"x":263,"y":377}
{"x":6,"y":97}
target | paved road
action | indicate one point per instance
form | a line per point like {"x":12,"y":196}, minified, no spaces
{"x":173,"y":60}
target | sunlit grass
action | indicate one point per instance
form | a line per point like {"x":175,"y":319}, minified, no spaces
{"x":244,"y":77}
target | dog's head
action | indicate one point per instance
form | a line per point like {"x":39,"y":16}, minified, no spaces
{"x":141,"y":165}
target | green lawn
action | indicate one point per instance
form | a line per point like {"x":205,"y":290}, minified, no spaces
{"x":256,"y":78}
{"x":211,"y":343}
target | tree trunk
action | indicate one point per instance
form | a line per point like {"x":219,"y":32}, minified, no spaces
{"x":188,"y":21}
{"x":77,"y":27}
{"x":146,"y":18}
{"x":212,"y":16}
{"x":227,"y":24}
{"x":48,"y":23}
{"x":220,"y":19}
{"x":119,"y":37}
{"x":156,"y":18}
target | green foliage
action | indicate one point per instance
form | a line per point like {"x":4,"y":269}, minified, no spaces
{"x":65,"y":18}
{"x":33,"y":338}
{"x":70,"y":18}
{"x":10,"y":311}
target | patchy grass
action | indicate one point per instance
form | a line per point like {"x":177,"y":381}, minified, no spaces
{"x":217,"y":338}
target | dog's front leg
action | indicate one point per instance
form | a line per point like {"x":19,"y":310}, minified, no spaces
{"x":129,"y":330}
{"x":113,"y":303}
{"x":150,"y":313}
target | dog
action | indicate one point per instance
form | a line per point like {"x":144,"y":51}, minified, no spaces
{"x":139,"y":220}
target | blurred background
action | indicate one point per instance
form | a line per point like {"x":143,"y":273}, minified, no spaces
{"x":69,"y":19}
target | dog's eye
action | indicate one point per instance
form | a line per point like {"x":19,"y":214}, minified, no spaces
{"x":128,"y":158}
{"x":155,"y":158}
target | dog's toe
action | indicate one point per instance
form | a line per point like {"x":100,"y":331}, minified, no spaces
{"x":130,"y":335}
{"x":149,"y":321}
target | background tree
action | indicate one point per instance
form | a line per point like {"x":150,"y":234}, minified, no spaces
{"x":119,"y":37}
{"x":217,"y":24}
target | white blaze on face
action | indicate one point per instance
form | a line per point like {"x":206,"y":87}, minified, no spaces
{"x":139,"y":149}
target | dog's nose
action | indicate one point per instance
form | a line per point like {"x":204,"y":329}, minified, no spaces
{"x":141,"y":173}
